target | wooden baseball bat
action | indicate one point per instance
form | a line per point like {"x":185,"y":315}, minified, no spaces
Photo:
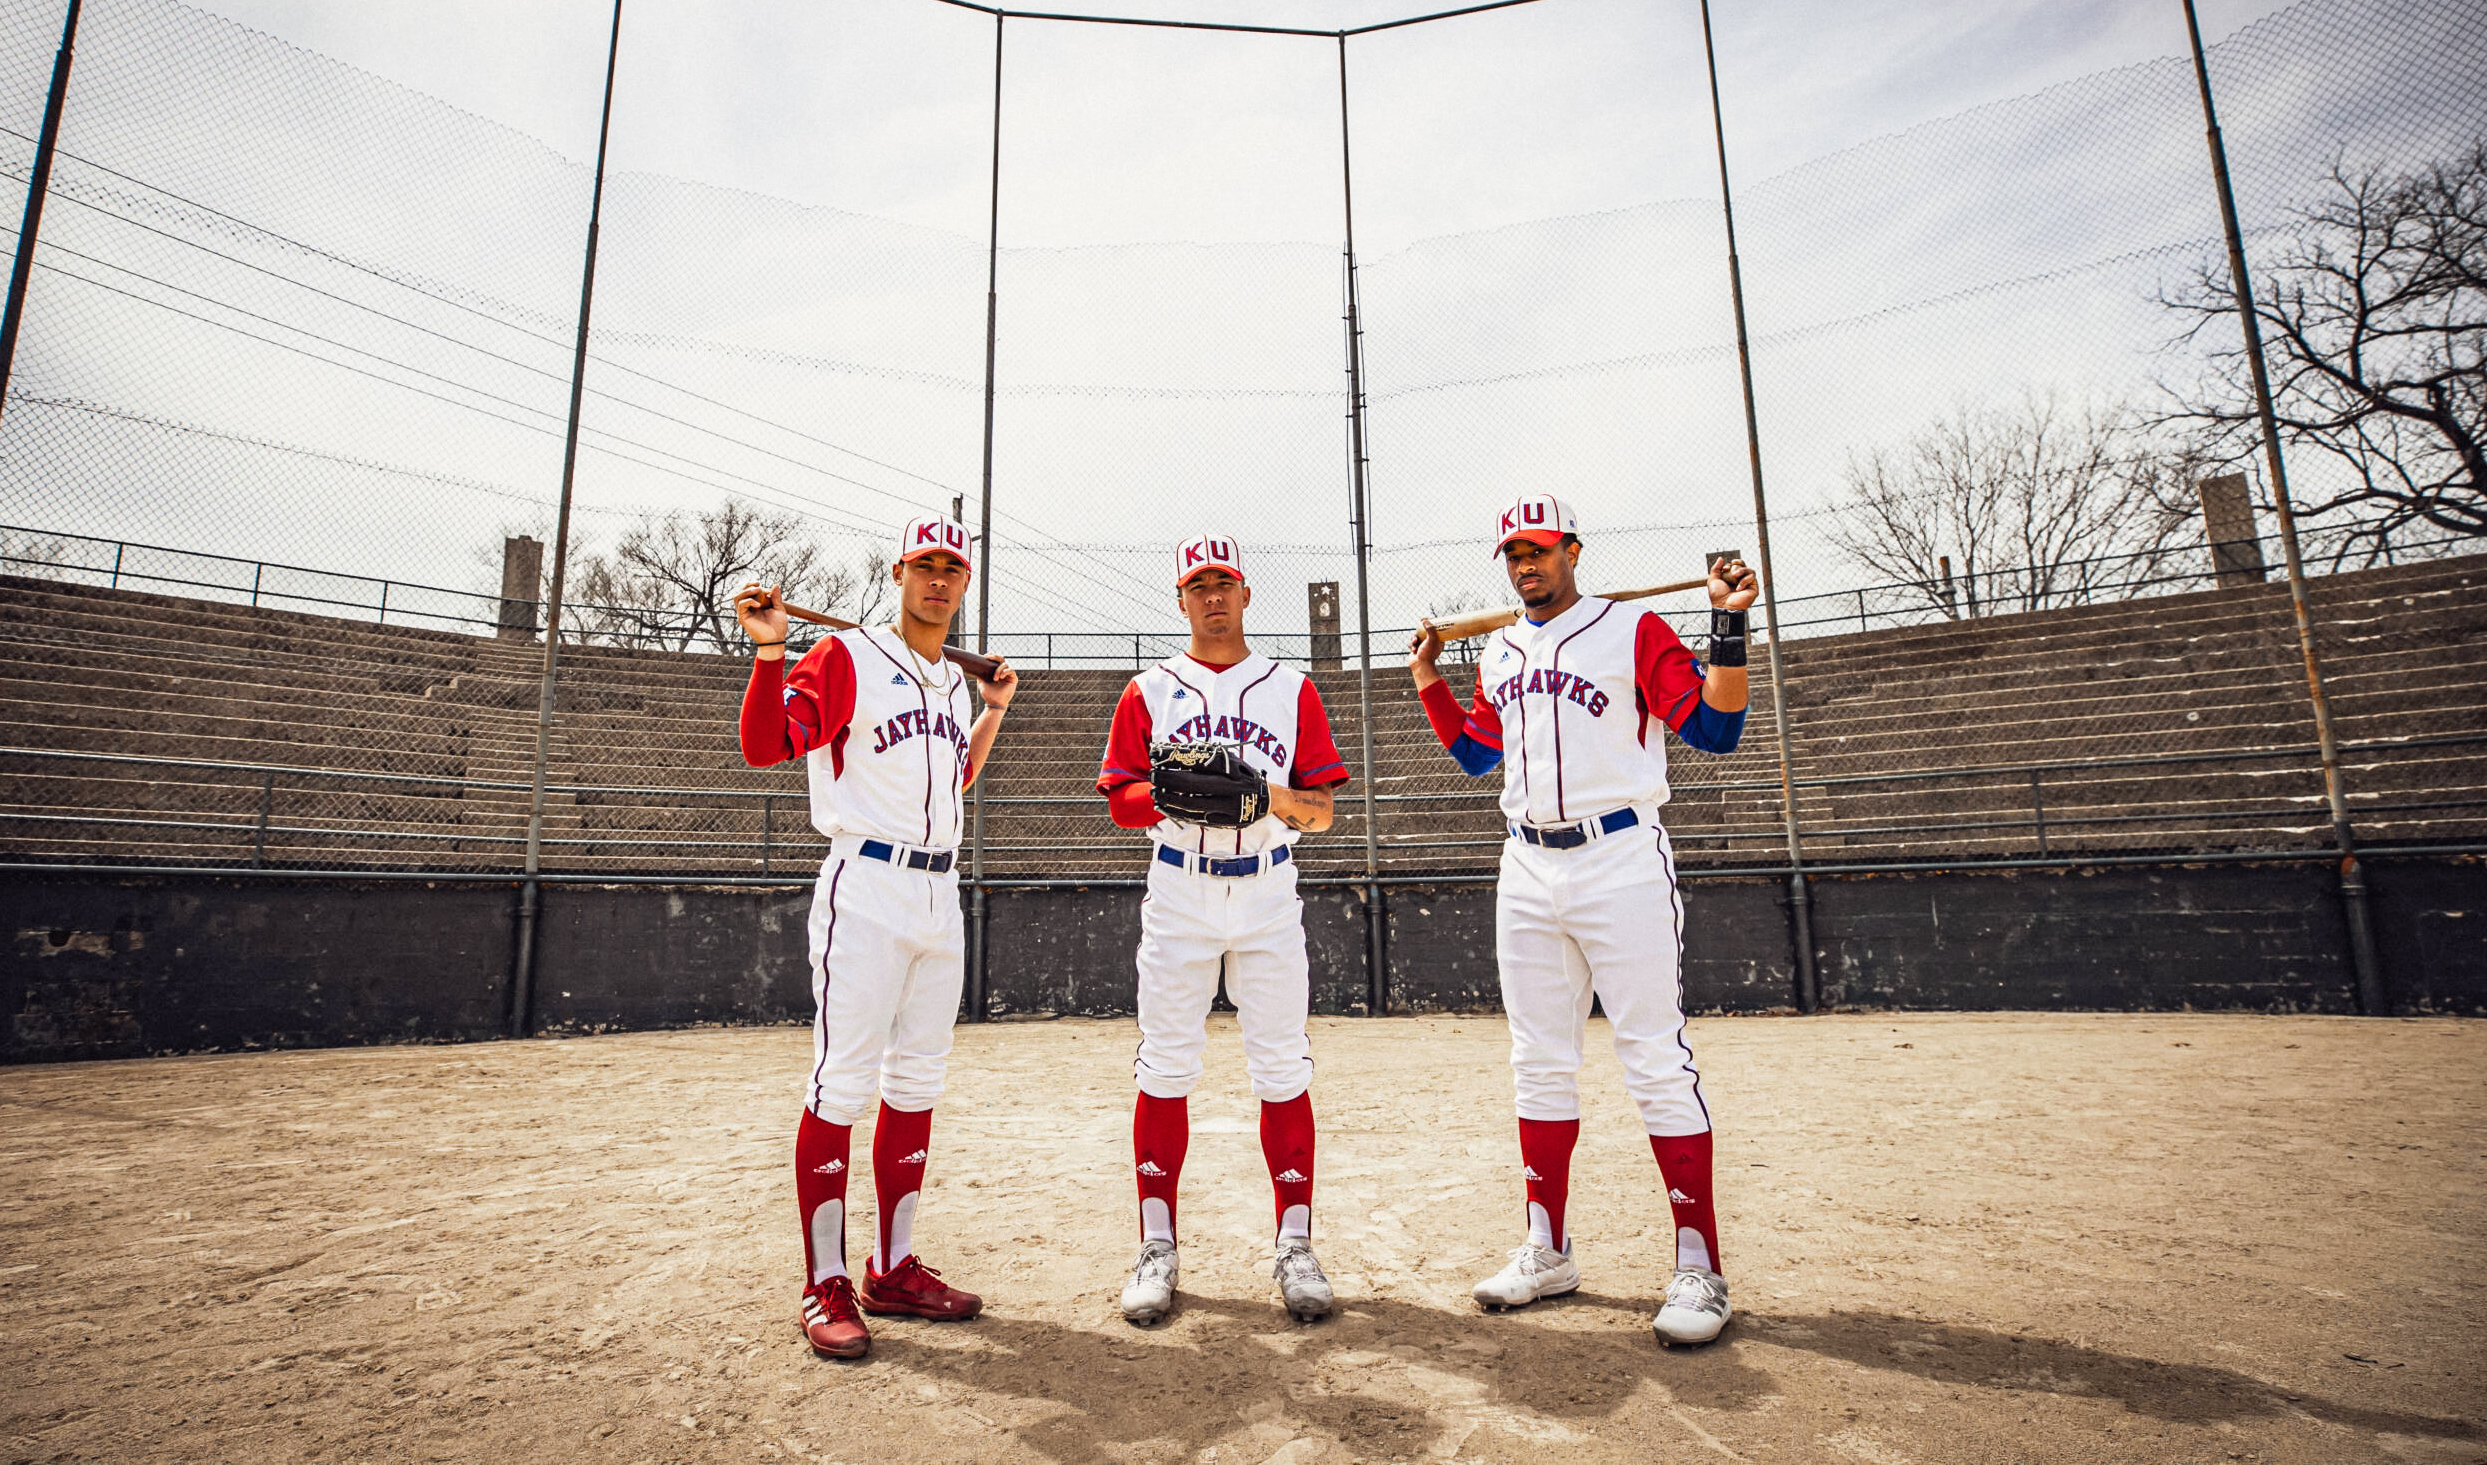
{"x":1483,"y":622}
{"x":979,"y":667}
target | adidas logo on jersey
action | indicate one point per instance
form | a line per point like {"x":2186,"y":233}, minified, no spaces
{"x":1529,"y":1172}
{"x":1149,"y":1167}
{"x":1291,"y":1177}
{"x":1679,"y":1197}
{"x":917,"y":1158}
{"x":832,"y":1168}
{"x":1180,"y":694}
{"x":897,"y":679}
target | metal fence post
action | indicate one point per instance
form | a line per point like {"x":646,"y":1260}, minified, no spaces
{"x":2371,"y":997}
{"x":978,"y":981}
{"x":1800,"y":897}
{"x":38,"y":186}
{"x":768,"y":811}
{"x":257,"y":572}
{"x":1377,"y":970}
{"x":2038,"y":809}
{"x":116,"y":564}
{"x":522,"y":976}
{"x":267,"y":804}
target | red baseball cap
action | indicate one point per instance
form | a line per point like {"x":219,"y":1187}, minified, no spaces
{"x":937,"y":533}
{"x":1539,"y":519}
{"x":1207,"y":552}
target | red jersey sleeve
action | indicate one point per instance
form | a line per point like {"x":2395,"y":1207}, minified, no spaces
{"x":787,"y":714}
{"x":1666,"y":680}
{"x":1317,"y":763}
{"x":1127,"y":745}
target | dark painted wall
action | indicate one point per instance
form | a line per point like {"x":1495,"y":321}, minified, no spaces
{"x":99,"y":967}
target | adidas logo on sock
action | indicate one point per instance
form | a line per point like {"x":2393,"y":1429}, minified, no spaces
{"x":1292,"y":1177}
{"x":1529,"y":1172}
{"x":917,"y":1158}
{"x":832,"y":1168}
{"x":1679,"y":1197}
{"x":1149,"y":1167}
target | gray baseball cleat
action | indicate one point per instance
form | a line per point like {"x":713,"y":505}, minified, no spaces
{"x":1149,"y":1295}
{"x":1300,"y":1281}
{"x":1534,"y":1271}
{"x":1696,"y":1308}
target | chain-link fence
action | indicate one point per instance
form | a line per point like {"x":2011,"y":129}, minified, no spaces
{"x":297,"y":345}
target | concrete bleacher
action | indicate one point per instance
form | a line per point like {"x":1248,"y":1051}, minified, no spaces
{"x":645,"y":776}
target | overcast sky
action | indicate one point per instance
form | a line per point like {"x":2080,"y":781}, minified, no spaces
{"x":1940,"y":204}
{"x":1127,"y":135}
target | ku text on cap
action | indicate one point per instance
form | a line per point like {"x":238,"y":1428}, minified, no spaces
{"x":1208,"y":552}
{"x":1539,"y":519}
{"x":936,"y":533}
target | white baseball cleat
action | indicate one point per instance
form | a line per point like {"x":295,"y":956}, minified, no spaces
{"x":1534,"y":1271}
{"x":1149,"y":1295}
{"x":1300,"y":1281}
{"x":1696,"y":1309}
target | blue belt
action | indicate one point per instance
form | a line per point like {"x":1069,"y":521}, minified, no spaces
{"x":914,"y":859}
{"x":1212,"y":865}
{"x":1573,"y":836}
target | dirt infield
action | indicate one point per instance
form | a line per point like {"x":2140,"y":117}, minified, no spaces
{"x":1950,"y":1238}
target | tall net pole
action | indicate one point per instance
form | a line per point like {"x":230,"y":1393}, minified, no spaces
{"x":2368,"y":970}
{"x":38,"y":183}
{"x":1377,"y":979}
{"x":979,"y":988}
{"x":1800,"y":899}
{"x":531,"y":895}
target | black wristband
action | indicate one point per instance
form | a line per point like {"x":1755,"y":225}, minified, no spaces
{"x":1726,"y":623}
{"x":1726,"y":651}
{"x":764,"y":645}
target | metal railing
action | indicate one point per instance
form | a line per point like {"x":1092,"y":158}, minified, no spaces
{"x":1966,"y":597}
{"x":773,"y":842}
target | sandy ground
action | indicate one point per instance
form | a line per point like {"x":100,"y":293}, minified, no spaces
{"x":1950,"y":1239}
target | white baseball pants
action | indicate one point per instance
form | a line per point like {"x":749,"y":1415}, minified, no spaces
{"x":1255,"y":923}
{"x":1600,"y":921}
{"x":889,"y":959}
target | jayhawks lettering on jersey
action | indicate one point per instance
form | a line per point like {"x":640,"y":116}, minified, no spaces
{"x":1566,"y":708}
{"x":885,"y":734}
{"x":1272,"y":713}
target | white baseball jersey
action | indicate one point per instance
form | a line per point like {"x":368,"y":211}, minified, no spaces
{"x":1270,"y":712}
{"x":1569,"y":705}
{"x":884,"y":734}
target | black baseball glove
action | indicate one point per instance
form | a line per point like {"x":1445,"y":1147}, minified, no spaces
{"x":1206,"y":783}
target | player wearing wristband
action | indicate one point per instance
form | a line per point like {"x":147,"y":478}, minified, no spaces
{"x":882,"y":721}
{"x":1574,"y":703}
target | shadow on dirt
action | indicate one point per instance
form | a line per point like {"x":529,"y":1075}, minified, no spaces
{"x":2181,"y":1393}
{"x":1392,"y":1378}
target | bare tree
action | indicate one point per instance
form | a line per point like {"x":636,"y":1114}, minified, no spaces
{"x":2374,"y":319}
{"x":669,"y":581}
{"x":2033,"y":506}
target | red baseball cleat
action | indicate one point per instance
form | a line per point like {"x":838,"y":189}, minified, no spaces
{"x":830,"y":1322}
{"x":912,"y":1289}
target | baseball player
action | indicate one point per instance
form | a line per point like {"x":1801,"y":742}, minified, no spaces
{"x":1575,"y":700}
{"x":883,"y":723}
{"x":1225,"y":757}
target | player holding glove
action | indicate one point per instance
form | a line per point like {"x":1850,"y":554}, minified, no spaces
{"x":1224,"y":756}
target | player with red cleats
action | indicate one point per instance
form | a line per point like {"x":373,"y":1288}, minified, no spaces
{"x":882,"y":721}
